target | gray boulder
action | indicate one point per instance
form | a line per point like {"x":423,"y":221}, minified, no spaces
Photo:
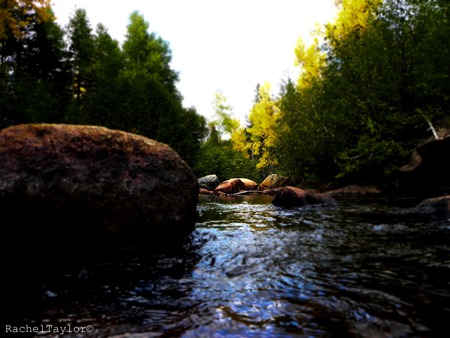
{"x":209,"y":182}
{"x":83,"y":184}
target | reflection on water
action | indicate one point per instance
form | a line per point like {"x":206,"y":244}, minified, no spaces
{"x":251,"y":269}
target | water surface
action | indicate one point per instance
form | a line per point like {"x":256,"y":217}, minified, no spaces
{"x":362,"y":268}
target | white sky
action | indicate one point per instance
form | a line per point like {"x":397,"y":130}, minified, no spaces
{"x":229,"y":46}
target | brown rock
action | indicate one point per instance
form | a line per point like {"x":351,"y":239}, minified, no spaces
{"x":273,"y":181}
{"x":88,"y":183}
{"x":249,"y":184}
{"x":231,"y":186}
{"x":204,"y":191}
{"x":354,"y":190}
{"x":290,"y":197}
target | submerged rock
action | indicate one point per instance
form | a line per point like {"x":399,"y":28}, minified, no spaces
{"x":290,"y":197}
{"x":436,"y":206}
{"x":354,"y":190}
{"x":87,"y":183}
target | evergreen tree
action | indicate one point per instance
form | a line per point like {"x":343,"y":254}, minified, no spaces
{"x":152,"y":104}
{"x":33,"y":57}
{"x":81,"y":50}
{"x":105,"y":95}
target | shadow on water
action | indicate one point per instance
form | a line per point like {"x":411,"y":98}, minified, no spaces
{"x":362,"y":268}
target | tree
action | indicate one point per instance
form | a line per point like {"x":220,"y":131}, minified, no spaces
{"x":148,"y":101}
{"x":218,"y":154}
{"x":373,"y":99}
{"x":108,"y":58}
{"x":16,"y":15}
{"x":149,"y":53}
{"x":152,"y":104}
{"x":105,"y":94}
{"x":382,"y":69}
{"x":311,"y":61}
{"x":262,"y":135}
{"x":81,"y":50}
{"x":354,"y":18}
{"x":35,"y":58}
{"x":224,"y":124}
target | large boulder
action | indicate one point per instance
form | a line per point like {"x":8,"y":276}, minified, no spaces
{"x":290,"y":197}
{"x":67,"y":183}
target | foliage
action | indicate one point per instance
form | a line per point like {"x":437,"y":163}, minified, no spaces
{"x":311,"y":60}
{"x":92,"y":80}
{"x":306,"y":142}
{"x":224,"y":161}
{"x":17,"y":15}
{"x":371,"y":83}
{"x":33,"y":59}
{"x":358,"y":115}
{"x":81,"y":51}
{"x":258,"y":140}
{"x":224,"y":124}
{"x":218,"y":155}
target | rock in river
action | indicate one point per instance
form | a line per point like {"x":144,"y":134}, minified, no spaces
{"x":86,"y":184}
{"x":290,"y":197}
{"x":436,"y":206}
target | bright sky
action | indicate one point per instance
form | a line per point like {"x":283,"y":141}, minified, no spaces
{"x":217,"y":45}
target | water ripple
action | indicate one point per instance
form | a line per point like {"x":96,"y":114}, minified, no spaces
{"x":251,"y":269}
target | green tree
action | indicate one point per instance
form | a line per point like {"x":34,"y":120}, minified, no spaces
{"x":382,"y":84}
{"x":382,"y":70}
{"x":263,"y":119}
{"x":100,"y":102}
{"x":224,"y":124}
{"x":152,"y":104}
{"x":311,"y":61}
{"x":218,"y":155}
{"x":220,"y":158}
{"x":81,"y":48}
{"x":33,"y":59}
{"x":306,"y":142}
{"x":108,"y":57}
{"x":146,"y":52}
{"x":147,"y":100}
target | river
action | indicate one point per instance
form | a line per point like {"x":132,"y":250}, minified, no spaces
{"x":361,"y":268}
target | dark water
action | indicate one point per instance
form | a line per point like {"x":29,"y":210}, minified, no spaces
{"x":368,"y":268}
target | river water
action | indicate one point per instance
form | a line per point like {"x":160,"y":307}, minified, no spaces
{"x":361,"y":268}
